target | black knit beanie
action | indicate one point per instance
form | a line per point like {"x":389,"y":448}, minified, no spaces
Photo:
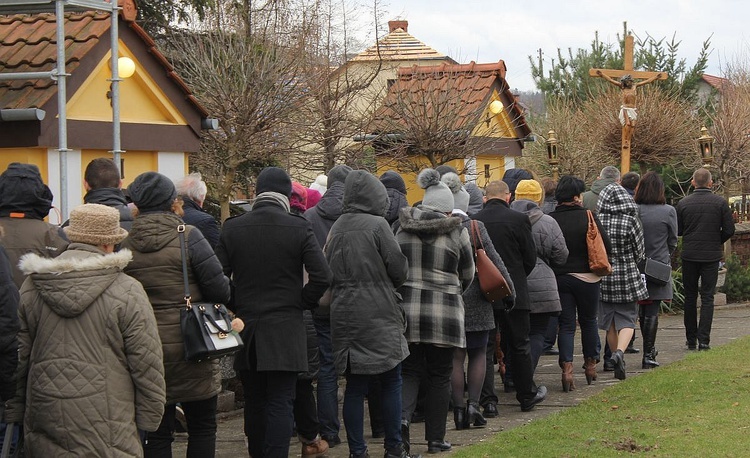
{"x":273,"y":179}
{"x":152,"y":191}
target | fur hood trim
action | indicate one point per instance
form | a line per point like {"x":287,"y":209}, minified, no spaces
{"x":35,"y":264}
{"x":419,"y":221}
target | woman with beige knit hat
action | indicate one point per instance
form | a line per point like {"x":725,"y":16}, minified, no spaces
{"x":89,"y":353}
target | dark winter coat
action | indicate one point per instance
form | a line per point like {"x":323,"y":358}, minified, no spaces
{"x":157,"y":264}
{"x":90,"y":362}
{"x":574,"y":222}
{"x":8,"y":328}
{"x":618,"y":213}
{"x":591,"y":197}
{"x":112,"y":197}
{"x":660,"y":241}
{"x":478,"y":314}
{"x":24,"y":203}
{"x":510,"y":232}
{"x":705,"y":222}
{"x":396,"y":189}
{"x":550,"y":251}
{"x":265,"y":253}
{"x":367,"y":321}
{"x":24,"y":235}
{"x":441,"y":268}
{"x":326,"y":212}
{"x":202,"y":220}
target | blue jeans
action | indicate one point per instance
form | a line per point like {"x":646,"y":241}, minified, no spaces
{"x":328,"y":381}
{"x":708,"y":273}
{"x":200,"y":417}
{"x":354,"y":410}
{"x":581,"y":298}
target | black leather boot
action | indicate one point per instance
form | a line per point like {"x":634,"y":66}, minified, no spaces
{"x":405,"y":435}
{"x":459,"y":418}
{"x":649,"y":326}
{"x":474,"y":415}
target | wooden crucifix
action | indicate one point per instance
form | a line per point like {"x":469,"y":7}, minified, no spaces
{"x":627,"y":83}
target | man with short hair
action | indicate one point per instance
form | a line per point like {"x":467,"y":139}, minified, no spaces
{"x":705,"y":222}
{"x":192,"y":189}
{"x":609,"y":174}
{"x":510,"y":232}
{"x":103,"y":184}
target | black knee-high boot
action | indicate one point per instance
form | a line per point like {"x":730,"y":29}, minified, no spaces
{"x":649,"y":326}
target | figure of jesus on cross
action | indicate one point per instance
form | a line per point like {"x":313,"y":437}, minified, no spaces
{"x":626,"y":82}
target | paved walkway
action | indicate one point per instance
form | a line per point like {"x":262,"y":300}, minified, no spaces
{"x":730,"y":322}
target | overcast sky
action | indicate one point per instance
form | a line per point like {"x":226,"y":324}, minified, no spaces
{"x":487,"y":31}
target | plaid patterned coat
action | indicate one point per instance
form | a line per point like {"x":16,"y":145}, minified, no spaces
{"x":618,"y":214}
{"x":441,"y":267}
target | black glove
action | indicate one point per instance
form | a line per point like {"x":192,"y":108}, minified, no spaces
{"x":509,"y":303}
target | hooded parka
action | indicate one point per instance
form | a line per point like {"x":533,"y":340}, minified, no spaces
{"x":157,"y":264}
{"x":90,"y":361}
{"x":367,"y":321}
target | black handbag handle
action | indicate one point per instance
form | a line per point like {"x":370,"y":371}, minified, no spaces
{"x":183,"y":255}
{"x":213,"y":322}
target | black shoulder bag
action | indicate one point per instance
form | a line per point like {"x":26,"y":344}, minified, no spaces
{"x":206,"y":327}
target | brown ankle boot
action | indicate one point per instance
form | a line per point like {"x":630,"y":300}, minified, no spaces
{"x":567,"y":376}
{"x":589,"y":368}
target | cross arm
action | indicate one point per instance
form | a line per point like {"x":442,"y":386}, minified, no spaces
{"x":634,"y":73}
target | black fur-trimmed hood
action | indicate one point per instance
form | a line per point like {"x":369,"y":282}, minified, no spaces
{"x":419,"y":221}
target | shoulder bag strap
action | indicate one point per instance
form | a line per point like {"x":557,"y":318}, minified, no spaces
{"x":183,"y":255}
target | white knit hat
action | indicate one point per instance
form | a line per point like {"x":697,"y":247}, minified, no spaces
{"x":460,"y":195}
{"x":320,"y":184}
{"x":95,"y":224}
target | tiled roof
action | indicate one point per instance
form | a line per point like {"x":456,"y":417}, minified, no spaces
{"x":472,"y":83}
{"x":716,"y":82}
{"x":28,"y":44}
{"x":399,"y":45}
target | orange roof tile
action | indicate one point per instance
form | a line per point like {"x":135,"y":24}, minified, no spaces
{"x":473,"y":83}
{"x":28,"y":44}
{"x":716,"y":82}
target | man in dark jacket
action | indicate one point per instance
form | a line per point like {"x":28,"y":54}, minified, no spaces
{"x":193,"y":191}
{"x":705,"y":222}
{"x":24,"y":203}
{"x":510,"y":232}
{"x":322,"y":216}
{"x":265,"y":252}
{"x":103,"y":186}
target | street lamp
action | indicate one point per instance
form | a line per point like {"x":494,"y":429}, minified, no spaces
{"x":706,"y":145}
{"x":496,"y":107}
{"x":552,"y":157}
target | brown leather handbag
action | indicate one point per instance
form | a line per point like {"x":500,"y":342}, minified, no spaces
{"x":598,"y":259}
{"x":491,"y":280}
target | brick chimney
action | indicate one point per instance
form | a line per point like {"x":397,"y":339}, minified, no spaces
{"x":398,"y":24}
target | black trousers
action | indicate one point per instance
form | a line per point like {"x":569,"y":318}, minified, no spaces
{"x":434,"y":365}
{"x":306,"y":410}
{"x":708,"y":273}
{"x":514,"y":328}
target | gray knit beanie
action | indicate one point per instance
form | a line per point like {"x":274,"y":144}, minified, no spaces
{"x":152,"y":191}
{"x":95,"y":224}
{"x":460,"y":195}
{"x":437,"y":195}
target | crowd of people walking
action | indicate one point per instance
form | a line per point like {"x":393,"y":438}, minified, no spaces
{"x":342,"y":279}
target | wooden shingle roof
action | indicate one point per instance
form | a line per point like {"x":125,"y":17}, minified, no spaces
{"x":399,"y":45}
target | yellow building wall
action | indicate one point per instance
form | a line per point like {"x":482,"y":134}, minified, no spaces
{"x":495,"y":165}
{"x":37,"y":156}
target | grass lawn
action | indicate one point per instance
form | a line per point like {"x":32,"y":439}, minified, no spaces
{"x":696,"y":407}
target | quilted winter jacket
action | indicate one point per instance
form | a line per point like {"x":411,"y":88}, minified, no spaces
{"x":157,"y":264}
{"x":551,"y":250}
{"x":705,"y":222}
{"x":90,"y":361}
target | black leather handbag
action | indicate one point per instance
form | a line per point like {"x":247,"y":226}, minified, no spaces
{"x":206,"y":327}
{"x":656,"y":272}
